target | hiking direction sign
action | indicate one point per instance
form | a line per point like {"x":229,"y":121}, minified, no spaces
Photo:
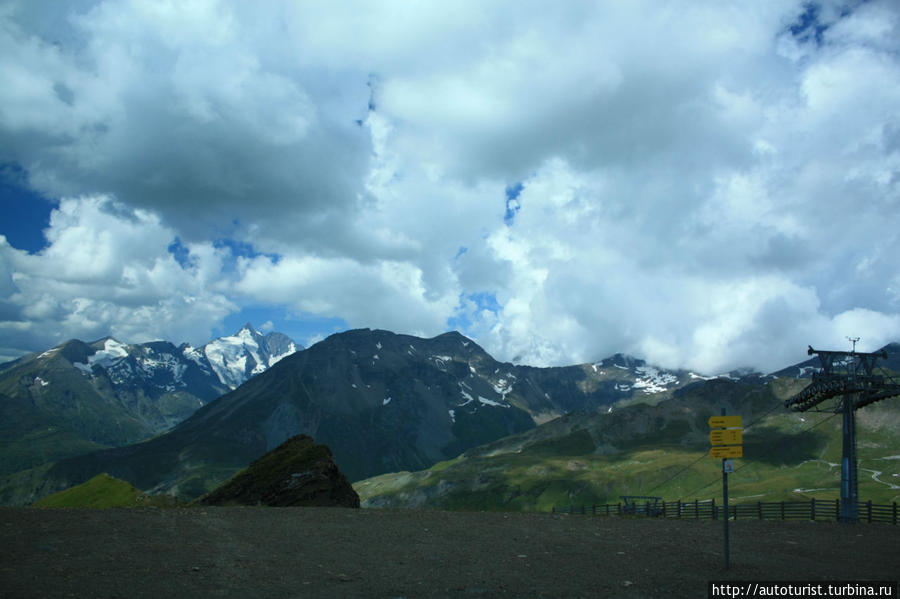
{"x":728,"y":451}
{"x":725,"y":422}
{"x":726,"y":437}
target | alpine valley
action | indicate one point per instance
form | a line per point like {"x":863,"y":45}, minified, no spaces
{"x":415,"y":421}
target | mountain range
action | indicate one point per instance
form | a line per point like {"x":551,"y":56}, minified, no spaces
{"x":80,"y":396}
{"x":387,"y":403}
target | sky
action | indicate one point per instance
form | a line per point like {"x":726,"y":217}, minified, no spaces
{"x":706,"y":185}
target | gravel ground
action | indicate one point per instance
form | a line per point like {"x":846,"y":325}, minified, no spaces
{"x":335,"y":553}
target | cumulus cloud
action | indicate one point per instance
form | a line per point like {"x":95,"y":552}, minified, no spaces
{"x":108,"y":271}
{"x":708,"y":186}
{"x":191,"y":109}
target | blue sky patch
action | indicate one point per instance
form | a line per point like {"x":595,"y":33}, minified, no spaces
{"x":25,"y":213}
{"x":180,"y":252}
{"x":512,"y":202}
{"x":807,"y":25}
{"x":482,"y":300}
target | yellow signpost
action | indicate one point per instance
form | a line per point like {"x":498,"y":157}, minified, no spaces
{"x":733,"y":436}
{"x":726,"y":438}
{"x":725,"y":422}
{"x":727,"y":451}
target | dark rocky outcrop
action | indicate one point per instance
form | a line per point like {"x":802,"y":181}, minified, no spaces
{"x":296,"y":473}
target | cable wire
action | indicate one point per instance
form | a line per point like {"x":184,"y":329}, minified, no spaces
{"x":748,"y":464}
{"x":705,"y":454}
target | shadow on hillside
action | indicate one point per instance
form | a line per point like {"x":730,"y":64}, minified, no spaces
{"x":778,"y":448}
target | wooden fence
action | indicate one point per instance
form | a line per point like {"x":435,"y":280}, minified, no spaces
{"x":706,"y":509}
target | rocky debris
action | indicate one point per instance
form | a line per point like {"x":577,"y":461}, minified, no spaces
{"x":296,"y":473}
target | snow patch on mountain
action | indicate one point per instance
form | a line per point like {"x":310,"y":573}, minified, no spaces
{"x":489,"y":402}
{"x":503,"y":387}
{"x":275,"y":358}
{"x":651,"y":380}
{"x":112,"y":353}
{"x":469,"y":399}
{"x":194,"y":355}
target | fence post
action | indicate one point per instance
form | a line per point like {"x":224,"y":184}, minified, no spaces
{"x":715,"y":513}
{"x":759,"y":509}
{"x":679,"y":509}
{"x":895,"y":513}
{"x":837,"y":509}
{"x":812,"y":509}
{"x":869,"y":508}
{"x":782,"y":510}
{"x":664,"y":509}
{"x":696,"y":509}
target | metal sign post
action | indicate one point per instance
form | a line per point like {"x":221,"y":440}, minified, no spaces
{"x":725,"y":503}
{"x":725,"y":442}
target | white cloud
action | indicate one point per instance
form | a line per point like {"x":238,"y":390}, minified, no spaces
{"x":702,"y":184}
{"x":383,"y":294}
{"x":108,"y":271}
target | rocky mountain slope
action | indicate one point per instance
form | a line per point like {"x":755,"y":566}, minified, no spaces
{"x":296,"y":473}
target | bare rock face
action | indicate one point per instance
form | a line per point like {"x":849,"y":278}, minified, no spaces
{"x":296,"y":473}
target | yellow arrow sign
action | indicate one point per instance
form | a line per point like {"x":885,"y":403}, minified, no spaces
{"x":732,"y":436}
{"x":724,"y":421}
{"x":728,"y":451}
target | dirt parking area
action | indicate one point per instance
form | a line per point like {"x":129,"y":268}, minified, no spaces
{"x":335,"y":553}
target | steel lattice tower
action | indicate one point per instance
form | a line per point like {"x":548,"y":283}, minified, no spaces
{"x":850,"y":377}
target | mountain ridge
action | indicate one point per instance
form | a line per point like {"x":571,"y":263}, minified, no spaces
{"x":384,"y":402}
{"x":381,"y":401}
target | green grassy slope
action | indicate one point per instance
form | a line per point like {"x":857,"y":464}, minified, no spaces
{"x":102,"y":491}
{"x":30,"y":435}
{"x":660,"y":450}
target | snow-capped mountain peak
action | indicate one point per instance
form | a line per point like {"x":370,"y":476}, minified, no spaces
{"x":229,"y":360}
{"x":237,"y":357}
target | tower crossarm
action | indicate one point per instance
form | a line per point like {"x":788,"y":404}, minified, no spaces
{"x":843,"y":373}
{"x":888,"y":390}
{"x":825,"y":386}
